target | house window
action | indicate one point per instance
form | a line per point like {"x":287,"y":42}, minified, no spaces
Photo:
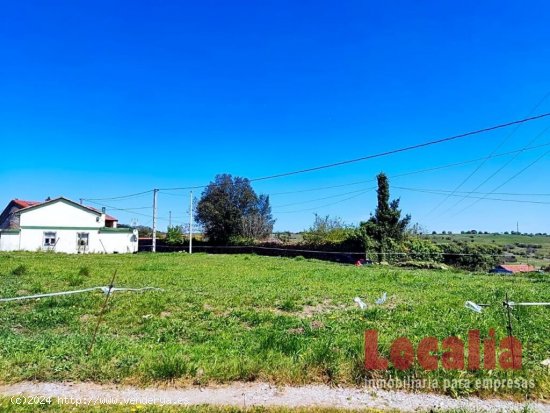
{"x":83,"y":239}
{"x":50,"y":239}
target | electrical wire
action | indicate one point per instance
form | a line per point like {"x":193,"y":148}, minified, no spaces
{"x":377,"y":155}
{"x":468,"y":196}
{"x":326,"y":197}
{"x":128,"y":210}
{"x":382,"y":154}
{"x":505,"y":182}
{"x":501,"y":168}
{"x":468,"y":192}
{"x":488,"y":157}
{"x":323,"y":206}
{"x":518,"y":151}
{"x":435,"y":168}
{"x":119,"y":197}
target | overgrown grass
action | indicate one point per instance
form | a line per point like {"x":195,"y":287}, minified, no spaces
{"x":224,"y":318}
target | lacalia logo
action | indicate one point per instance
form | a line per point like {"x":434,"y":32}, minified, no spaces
{"x":450,"y":352}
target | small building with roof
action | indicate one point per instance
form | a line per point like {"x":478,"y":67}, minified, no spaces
{"x":512,"y":268}
{"x":62,"y":225}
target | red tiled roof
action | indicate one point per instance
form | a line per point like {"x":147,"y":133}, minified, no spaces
{"x":518,"y":268}
{"x":24,"y":204}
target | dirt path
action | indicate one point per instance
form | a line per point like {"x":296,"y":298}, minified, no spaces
{"x":249,"y":394}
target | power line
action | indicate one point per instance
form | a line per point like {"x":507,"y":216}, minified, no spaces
{"x":471,"y":192}
{"x":118,"y":197}
{"x":371,"y":180}
{"x":127,"y":210}
{"x":508,"y":180}
{"x":404,"y":149}
{"x":382,"y":154}
{"x":326,"y":205}
{"x":326,"y":197}
{"x":435,"y":168}
{"x":468,"y":196}
{"x":365,"y":181}
{"x":488,"y":157}
{"x":502,"y":167}
{"x":118,"y":209}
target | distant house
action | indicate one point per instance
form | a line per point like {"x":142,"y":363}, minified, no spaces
{"x":62,"y":225}
{"x":512,"y":269}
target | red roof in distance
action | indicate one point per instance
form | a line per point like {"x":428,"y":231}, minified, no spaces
{"x":518,"y":268}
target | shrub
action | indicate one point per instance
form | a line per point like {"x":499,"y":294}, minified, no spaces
{"x":19,"y":270}
{"x":472,"y":257}
{"x":424,"y":265}
{"x":84,"y":272}
{"x":174,"y":236}
{"x":241,"y":241}
{"x":74,"y":280}
{"x":419,"y":249}
{"x":284,"y":237}
{"x":327,"y":230}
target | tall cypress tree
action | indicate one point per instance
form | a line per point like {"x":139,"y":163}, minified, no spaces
{"x":386,"y":228}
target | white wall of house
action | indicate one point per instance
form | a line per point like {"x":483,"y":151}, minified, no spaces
{"x":63,"y":226}
{"x":119,"y":242}
{"x":67,"y":240}
{"x":61,"y":214}
{"x":9,"y":241}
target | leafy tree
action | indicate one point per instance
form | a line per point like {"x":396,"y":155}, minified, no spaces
{"x":473,"y":257}
{"x":386,"y":228}
{"x":421,"y":249}
{"x":258,"y":222}
{"x":230,"y":208}
{"x":284,"y":236}
{"x":327,"y":230}
{"x":144,"y":231}
{"x":174,"y":235}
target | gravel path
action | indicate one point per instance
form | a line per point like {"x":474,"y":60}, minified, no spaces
{"x":250,"y":394}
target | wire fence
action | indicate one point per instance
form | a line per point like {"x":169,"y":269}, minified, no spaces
{"x":349,"y":257}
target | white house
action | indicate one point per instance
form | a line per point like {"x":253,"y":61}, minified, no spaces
{"x":62,"y":225}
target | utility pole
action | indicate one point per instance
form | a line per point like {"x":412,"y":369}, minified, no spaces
{"x":517,"y":227}
{"x":190,"y":222}
{"x":169,"y":219}
{"x":154,"y":246}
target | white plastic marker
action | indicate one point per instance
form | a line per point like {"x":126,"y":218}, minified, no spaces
{"x":382,"y":299}
{"x":473,"y":306}
{"x":360,"y":303}
{"x":104,"y":290}
{"x":512,"y":304}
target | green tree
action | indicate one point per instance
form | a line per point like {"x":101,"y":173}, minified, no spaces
{"x":229,"y":208}
{"x":174,"y":235}
{"x":386,"y":228}
{"x":327,"y":230}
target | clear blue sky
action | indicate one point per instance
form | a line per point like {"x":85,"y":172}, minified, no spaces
{"x":107,"y":98}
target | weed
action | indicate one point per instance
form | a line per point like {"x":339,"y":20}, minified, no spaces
{"x":84,"y":271}
{"x":21,"y":269}
{"x":287,"y":305}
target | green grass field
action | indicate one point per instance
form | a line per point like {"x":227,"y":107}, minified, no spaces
{"x":224,"y":318}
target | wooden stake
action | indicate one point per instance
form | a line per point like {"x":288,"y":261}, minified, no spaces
{"x":101,"y":313}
